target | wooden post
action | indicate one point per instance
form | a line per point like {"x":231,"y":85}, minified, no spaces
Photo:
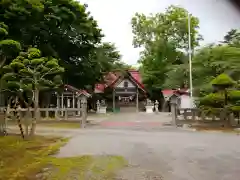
{"x":78,"y":105}
{"x":193,"y":114}
{"x":137,"y":101}
{"x":47,"y":114}
{"x":66,"y":114}
{"x":73,"y":101}
{"x":84,"y":112}
{"x":185,"y":114}
{"x":58,"y":105}
{"x":174,"y":114}
{"x":73,"y":104}
{"x":113,"y":100}
{"x":56,"y":114}
{"x":62,"y":105}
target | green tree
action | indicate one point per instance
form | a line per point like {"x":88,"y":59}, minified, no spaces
{"x":32,"y":73}
{"x":232,"y":38}
{"x":171,"y":26}
{"x":164,"y":39}
{"x":8,"y":47}
{"x":212,"y":61}
{"x":59,"y":28}
{"x":224,"y":98}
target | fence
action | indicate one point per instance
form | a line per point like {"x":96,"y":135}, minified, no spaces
{"x":199,"y":116}
{"x":52,"y":113}
{"x":79,"y":114}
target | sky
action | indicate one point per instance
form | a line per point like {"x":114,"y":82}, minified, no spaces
{"x":114,"y":17}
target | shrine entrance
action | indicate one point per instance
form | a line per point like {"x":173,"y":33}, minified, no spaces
{"x":128,"y":95}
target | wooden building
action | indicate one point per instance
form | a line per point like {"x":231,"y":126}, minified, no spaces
{"x":122,"y":91}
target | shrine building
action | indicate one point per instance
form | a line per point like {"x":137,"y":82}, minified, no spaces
{"x":122,"y":91}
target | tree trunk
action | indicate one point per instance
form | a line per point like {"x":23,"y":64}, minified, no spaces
{"x":27,"y":118}
{"x":36,"y":111}
{"x":3,"y":60}
{"x":18,"y":116}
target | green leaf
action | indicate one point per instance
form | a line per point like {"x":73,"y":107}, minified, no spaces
{"x":9,"y":47}
{"x":10,"y":77}
{"x":16,"y":65}
{"x":34,"y":53}
{"x":36,"y":62}
{"x":223,"y":80}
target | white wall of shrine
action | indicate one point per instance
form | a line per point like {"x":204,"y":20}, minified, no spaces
{"x":130,"y":84}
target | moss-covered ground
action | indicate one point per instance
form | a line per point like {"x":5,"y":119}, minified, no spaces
{"x":33,"y":160}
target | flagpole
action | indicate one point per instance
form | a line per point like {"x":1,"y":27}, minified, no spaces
{"x":190,"y":54}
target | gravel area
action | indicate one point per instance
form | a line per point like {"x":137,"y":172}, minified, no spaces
{"x":168,"y":155}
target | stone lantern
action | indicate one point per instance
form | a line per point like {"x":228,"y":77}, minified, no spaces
{"x":149,"y":106}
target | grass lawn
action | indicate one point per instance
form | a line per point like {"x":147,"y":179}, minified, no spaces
{"x":71,"y":125}
{"x":58,"y":124}
{"x":33,"y":160}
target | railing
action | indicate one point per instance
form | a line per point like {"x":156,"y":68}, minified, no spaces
{"x":49,"y":113}
{"x":195,"y":115}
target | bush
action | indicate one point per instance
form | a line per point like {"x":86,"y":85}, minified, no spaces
{"x":223,"y":80}
{"x":213,"y":100}
{"x":235,"y":108}
{"x":234,"y":95}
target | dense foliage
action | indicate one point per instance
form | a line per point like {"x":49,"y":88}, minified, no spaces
{"x":8,"y":47}
{"x":164,"y":39}
{"x":61,"y":43}
{"x":62,"y":29}
{"x":164,"y":59}
{"x":224,"y":97}
{"x":30,"y":73}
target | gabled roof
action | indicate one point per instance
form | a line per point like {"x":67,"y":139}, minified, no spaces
{"x":112,"y":77}
{"x":137,"y":77}
{"x":78,"y":91}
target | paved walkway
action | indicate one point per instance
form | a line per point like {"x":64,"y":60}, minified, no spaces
{"x":164,"y":153}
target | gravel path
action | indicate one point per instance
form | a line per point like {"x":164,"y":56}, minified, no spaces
{"x":168,"y":155}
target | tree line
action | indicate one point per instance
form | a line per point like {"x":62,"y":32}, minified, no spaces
{"x":47,"y":43}
{"x":164,"y":59}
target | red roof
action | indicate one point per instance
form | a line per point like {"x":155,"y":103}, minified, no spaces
{"x":137,"y":77}
{"x":111,"y":78}
{"x":168,"y":91}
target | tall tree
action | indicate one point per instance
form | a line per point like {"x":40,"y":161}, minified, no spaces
{"x":59,"y":28}
{"x":164,"y":39}
{"x":232,"y":38}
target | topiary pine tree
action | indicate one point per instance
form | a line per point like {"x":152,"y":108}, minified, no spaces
{"x":31,"y":72}
{"x":8,"y":47}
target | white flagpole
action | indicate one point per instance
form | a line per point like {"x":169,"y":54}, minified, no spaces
{"x":190,"y":54}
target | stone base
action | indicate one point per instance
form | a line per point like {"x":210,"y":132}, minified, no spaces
{"x":149,"y":109}
{"x":102,"y":110}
